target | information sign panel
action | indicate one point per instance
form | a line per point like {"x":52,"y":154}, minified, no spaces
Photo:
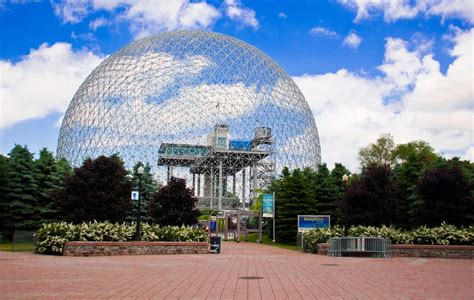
{"x":308,"y":222}
{"x":267,"y":205}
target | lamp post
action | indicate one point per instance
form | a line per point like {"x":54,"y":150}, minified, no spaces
{"x":138,"y":234}
{"x":345,"y":179}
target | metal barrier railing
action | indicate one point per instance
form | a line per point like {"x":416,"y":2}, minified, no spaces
{"x":375,"y":246}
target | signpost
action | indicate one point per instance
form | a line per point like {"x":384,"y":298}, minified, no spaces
{"x":268,"y":209}
{"x":308,"y":222}
{"x":135,"y":195}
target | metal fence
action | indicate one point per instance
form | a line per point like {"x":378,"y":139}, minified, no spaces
{"x":374,"y":246}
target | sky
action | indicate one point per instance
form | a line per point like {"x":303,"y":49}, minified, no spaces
{"x":365,"y":67}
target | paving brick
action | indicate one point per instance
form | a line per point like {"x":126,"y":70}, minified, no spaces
{"x":283,"y":274}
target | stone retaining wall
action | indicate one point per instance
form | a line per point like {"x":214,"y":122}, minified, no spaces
{"x":439,"y":251}
{"x":133,"y":248}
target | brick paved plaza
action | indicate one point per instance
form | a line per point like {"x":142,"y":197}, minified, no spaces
{"x":241,"y":271}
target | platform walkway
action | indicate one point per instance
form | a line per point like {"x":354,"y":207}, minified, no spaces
{"x":241,"y":271}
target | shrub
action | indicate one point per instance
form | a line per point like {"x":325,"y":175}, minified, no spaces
{"x":50,"y":238}
{"x":441,"y":235}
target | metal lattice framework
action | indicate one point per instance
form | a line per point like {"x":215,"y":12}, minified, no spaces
{"x":173,"y":89}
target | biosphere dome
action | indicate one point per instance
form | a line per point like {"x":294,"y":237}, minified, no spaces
{"x":178,"y":88}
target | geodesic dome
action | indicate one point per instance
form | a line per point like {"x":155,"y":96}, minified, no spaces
{"x":174,"y":88}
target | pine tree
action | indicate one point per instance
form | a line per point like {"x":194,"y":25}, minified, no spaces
{"x":326,"y":192}
{"x":22,"y":190}
{"x":4,"y":183}
{"x":148,"y":190}
{"x":293,"y":197}
{"x":46,"y":172}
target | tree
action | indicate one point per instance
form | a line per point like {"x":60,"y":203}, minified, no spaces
{"x":22,"y":191}
{"x":293,"y":197}
{"x":380,"y":153}
{"x":446,"y":195}
{"x":412,"y":159}
{"x":4,"y":183}
{"x":326,"y":192}
{"x":98,"y":190}
{"x":336,"y":177}
{"x":49,"y":176}
{"x":148,"y":190}
{"x":372,"y":199}
{"x":174,"y":204}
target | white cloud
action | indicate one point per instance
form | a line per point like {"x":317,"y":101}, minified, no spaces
{"x":405,"y":9}
{"x":71,"y":11}
{"x":235,"y":10}
{"x":44,"y":81}
{"x":97,"y":23}
{"x":352,"y":40}
{"x":318,"y":30}
{"x":352,"y":110}
{"x":282,"y":15}
{"x":147,"y":17}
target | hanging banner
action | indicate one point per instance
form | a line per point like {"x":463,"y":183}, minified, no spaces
{"x":267,"y":205}
{"x":308,"y":222}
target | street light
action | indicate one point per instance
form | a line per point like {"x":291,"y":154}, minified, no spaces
{"x":138,"y":234}
{"x":345,"y":179}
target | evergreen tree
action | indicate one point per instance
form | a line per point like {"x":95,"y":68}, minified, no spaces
{"x":293,"y":197}
{"x":22,"y":191}
{"x":50,"y":176}
{"x":148,"y":190}
{"x":98,"y":190}
{"x":412,"y":160}
{"x":4,"y":183}
{"x":326,"y":192}
{"x":174,"y":204}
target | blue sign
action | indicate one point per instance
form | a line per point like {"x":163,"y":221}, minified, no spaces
{"x":135,"y":195}
{"x":308,"y":222}
{"x":267,"y":205}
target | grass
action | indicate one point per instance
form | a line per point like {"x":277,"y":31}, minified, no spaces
{"x":253,"y":237}
{"x":17,"y":247}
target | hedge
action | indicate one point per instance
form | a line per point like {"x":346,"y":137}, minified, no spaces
{"x":50,"y":238}
{"x":444,"y":234}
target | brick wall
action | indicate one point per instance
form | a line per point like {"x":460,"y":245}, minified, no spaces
{"x":439,"y":251}
{"x":133,"y":248}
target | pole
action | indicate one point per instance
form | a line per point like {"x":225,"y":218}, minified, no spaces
{"x":274,"y":215}
{"x":346,"y":231}
{"x":138,"y":234}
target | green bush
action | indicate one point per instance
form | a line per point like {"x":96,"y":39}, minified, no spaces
{"x":50,"y":238}
{"x":441,"y":235}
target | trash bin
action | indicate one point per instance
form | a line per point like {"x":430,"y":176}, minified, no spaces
{"x":215,"y":244}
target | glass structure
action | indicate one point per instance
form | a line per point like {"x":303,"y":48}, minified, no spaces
{"x":199,"y":105}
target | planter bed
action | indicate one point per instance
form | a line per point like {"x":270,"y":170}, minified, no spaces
{"x":408,"y":250}
{"x":133,"y":248}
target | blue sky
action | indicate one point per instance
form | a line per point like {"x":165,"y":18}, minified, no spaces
{"x":403,"y":67}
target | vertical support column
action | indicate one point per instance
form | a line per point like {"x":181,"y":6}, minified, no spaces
{"x":254,"y":182}
{"x":199,"y":185}
{"x":243,"y":188}
{"x":260,"y":219}
{"x":220,"y":186}
{"x":238,"y":225}
{"x":211,"y":194}
{"x":194,"y":184}
{"x":167,"y":174}
{"x":233,"y":185}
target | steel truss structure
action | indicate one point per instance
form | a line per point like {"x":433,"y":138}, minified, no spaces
{"x":216,"y":167}
{"x":172,"y":89}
